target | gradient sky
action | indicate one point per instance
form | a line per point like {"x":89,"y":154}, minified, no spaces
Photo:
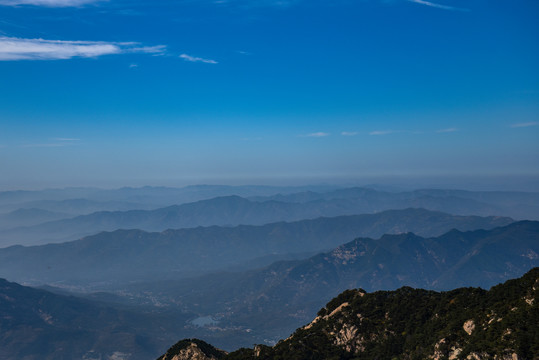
{"x":163,"y":92}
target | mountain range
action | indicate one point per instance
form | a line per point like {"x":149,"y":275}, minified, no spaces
{"x":135,"y":255}
{"x":83,"y":200}
{"x":143,"y":267}
{"x":235,"y":210}
{"x":276,"y":299}
{"x":263,"y":305}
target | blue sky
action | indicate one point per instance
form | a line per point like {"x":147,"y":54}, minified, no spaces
{"x":125,"y":92}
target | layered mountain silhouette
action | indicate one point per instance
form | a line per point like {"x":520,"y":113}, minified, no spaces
{"x":135,"y":255}
{"x":235,"y":210}
{"x":520,"y":205}
{"x":29,"y":217}
{"x":78,"y":201}
{"x":155,"y":195}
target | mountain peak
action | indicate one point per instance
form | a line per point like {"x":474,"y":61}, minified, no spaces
{"x":404,"y":236}
{"x":193,"y":349}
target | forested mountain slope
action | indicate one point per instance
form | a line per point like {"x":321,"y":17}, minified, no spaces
{"x":466,"y":323}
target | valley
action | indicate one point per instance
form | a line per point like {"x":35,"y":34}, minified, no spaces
{"x":236,"y":285}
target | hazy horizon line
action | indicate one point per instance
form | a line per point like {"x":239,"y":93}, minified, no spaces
{"x":494,"y":182}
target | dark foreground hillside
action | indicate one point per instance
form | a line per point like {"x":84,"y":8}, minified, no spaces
{"x":39,"y":325}
{"x":466,"y":323}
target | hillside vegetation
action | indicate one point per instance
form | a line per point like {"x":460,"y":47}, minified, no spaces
{"x":414,"y":324}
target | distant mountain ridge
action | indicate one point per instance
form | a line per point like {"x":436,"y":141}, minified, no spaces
{"x":138,"y":255}
{"x":146,"y":196}
{"x":151,"y":194}
{"x":221,"y":211}
{"x":73,"y":202}
{"x":519,"y":205}
{"x":235,"y":210}
{"x":29,"y":217}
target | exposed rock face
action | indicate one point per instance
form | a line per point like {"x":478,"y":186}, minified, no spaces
{"x":193,"y":349}
{"x":192,"y":352}
{"x":348,"y":338}
{"x":437,"y":353}
{"x":454,"y":353}
{"x":469,"y":327}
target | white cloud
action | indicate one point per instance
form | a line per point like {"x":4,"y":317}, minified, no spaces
{"x":438,"y":6}
{"x":197,"y":59}
{"x":349,"y":133}
{"x":448,"y":130}
{"x":48,"y":3}
{"x":156,"y":50}
{"x":40,"y":49}
{"x":381,"y":132}
{"x":526,"y":124}
{"x":316,"y":134}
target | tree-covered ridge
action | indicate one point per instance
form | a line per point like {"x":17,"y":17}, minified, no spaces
{"x":466,"y":323}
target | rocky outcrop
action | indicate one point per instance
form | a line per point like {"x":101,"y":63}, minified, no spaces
{"x":193,"y":349}
{"x":469,"y":327}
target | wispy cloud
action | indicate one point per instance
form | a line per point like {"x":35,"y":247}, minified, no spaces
{"x":197,"y":59}
{"x":44,"y":145}
{"x":48,"y":3}
{"x":40,"y":49}
{"x":438,"y":6}
{"x":316,"y":134}
{"x":66,"y":139}
{"x":448,"y":130}
{"x":526,"y":124}
{"x":382,"y":132}
{"x":349,"y":133}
